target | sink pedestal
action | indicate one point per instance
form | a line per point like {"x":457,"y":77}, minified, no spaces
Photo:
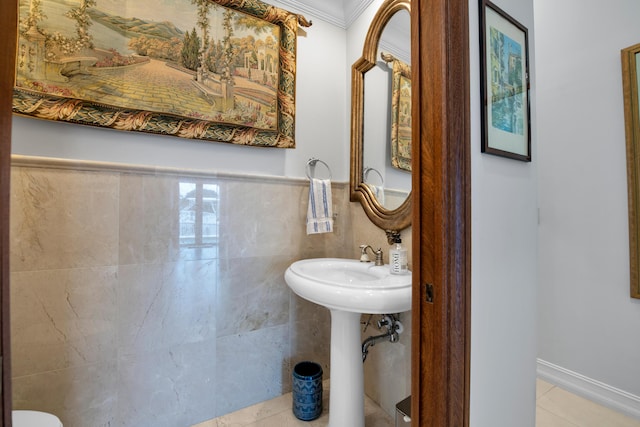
{"x":346,"y":397}
{"x":348,"y":287}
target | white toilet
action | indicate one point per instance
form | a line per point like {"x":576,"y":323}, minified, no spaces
{"x":34,"y":419}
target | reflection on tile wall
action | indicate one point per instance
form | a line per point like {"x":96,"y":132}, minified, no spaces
{"x":138,"y":301}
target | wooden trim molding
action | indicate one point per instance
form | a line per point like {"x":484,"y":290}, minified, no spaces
{"x":441,"y":213}
{"x":8,"y":24}
{"x":631,"y":98}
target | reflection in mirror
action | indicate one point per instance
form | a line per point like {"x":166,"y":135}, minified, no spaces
{"x":380,"y":125}
{"x":400,"y":113}
{"x":631,"y":83}
{"x":381,"y":119}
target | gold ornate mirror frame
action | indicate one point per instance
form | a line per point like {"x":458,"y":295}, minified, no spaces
{"x":390,"y":220}
{"x":630,"y":83}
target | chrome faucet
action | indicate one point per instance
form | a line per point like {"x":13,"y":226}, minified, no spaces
{"x":364,"y":257}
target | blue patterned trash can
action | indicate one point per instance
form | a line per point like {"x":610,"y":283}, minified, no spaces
{"x":307,"y":391}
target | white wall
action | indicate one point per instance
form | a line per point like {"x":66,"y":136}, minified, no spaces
{"x":588,"y":324}
{"x":321,"y":126}
{"x":504,"y":262}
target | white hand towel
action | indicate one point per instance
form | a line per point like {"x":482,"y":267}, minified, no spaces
{"x":319,"y":213}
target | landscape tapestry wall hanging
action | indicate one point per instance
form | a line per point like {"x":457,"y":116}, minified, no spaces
{"x":400,"y":113}
{"x":217,"y":70}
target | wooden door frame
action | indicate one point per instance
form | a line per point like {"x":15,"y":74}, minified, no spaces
{"x":442,"y":213}
{"x":8,"y":28}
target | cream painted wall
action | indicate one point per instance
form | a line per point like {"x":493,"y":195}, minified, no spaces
{"x":588,"y":324}
{"x":504,"y":262}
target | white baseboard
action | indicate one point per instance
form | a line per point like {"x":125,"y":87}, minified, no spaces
{"x":596,"y":391}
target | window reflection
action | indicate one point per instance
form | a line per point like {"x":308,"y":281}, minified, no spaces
{"x":199,"y":207}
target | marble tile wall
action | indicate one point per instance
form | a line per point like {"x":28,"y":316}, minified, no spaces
{"x":114,"y":322}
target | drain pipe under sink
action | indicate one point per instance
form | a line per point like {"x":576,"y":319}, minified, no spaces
{"x":394,"y":329}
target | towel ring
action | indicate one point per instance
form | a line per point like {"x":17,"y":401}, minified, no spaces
{"x":312,"y":164}
{"x":365,"y":174}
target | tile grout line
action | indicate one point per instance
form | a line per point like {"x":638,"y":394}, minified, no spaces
{"x":556,"y":415}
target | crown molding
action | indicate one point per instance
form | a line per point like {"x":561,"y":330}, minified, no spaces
{"x":342,"y":14}
{"x":353,"y":9}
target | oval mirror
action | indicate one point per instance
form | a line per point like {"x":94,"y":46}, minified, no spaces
{"x":381,"y":119}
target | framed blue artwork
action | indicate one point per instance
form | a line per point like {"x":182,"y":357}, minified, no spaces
{"x":504,"y":72}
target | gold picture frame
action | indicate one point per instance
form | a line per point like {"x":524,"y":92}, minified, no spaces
{"x":214,"y":70}
{"x":630,"y":84}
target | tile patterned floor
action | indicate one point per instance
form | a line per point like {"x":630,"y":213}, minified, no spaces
{"x":559,"y":408}
{"x":277,"y":413}
{"x":555,"y":408}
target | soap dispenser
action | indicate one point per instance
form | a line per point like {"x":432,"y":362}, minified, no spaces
{"x":398,"y":258}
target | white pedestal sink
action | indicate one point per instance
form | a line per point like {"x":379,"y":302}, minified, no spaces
{"x":348,"y":288}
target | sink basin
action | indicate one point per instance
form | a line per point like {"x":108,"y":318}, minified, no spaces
{"x":348,"y":288}
{"x":350,"y":285}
